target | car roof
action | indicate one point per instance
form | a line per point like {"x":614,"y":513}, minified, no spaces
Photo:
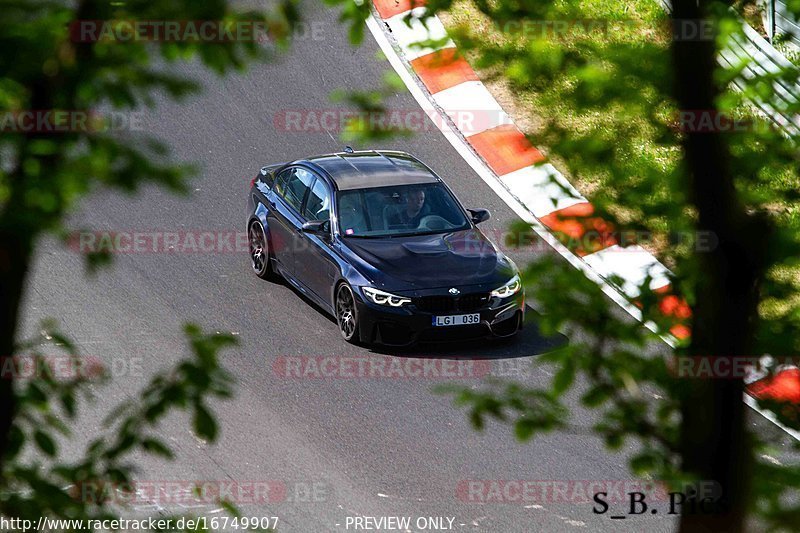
{"x":373,"y":168}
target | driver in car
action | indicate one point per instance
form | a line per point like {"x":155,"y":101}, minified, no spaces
{"x":412,"y":214}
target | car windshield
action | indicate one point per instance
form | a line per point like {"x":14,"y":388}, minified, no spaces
{"x":399,"y":210}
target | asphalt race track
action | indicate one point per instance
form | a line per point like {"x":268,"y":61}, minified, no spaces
{"x":340,"y":448}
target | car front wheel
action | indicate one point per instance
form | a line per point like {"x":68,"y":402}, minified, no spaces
{"x":346,"y":315}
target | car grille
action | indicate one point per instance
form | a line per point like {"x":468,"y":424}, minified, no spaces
{"x":446,"y":304}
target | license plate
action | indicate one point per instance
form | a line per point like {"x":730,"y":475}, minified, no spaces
{"x":457,"y":320}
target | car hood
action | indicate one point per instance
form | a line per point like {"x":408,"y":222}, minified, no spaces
{"x":459,"y":258}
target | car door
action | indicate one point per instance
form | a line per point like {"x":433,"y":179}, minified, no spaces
{"x":284,"y":219}
{"x":315,"y":262}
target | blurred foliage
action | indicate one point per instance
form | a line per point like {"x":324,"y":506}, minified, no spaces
{"x":372,"y":122}
{"x":45,"y":65}
{"x":38,"y":481}
{"x":47,"y":68}
{"x":601,"y":101}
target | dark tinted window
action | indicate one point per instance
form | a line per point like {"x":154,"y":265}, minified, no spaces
{"x":280,"y":181}
{"x":399,"y":210}
{"x":292,"y":184}
{"x":318,"y":205}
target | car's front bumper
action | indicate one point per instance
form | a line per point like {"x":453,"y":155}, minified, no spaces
{"x":401,"y":326}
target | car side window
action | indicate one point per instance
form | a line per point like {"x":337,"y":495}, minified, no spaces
{"x":280,"y":181}
{"x":318,"y":205}
{"x":298,"y":182}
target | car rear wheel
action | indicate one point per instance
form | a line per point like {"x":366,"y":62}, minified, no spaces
{"x":259,"y":251}
{"x":346,"y":313}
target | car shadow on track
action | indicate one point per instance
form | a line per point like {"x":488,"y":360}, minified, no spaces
{"x":528,"y":342}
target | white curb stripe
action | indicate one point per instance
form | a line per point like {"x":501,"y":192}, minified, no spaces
{"x":542,"y":189}
{"x":472,"y":108}
{"x":632,"y":264}
{"x":406,"y":36}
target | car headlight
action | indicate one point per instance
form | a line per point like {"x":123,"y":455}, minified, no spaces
{"x":512,"y":287}
{"x":385,"y":298}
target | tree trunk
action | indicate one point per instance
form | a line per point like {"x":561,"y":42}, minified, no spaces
{"x":19,"y":225}
{"x":714,"y":444}
{"x":15,"y":253}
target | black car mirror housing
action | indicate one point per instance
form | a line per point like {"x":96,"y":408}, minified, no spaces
{"x":480,"y":215}
{"x":317,"y":227}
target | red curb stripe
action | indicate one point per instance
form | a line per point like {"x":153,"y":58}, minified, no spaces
{"x":571,"y":224}
{"x":443,"y":69}
{"x":679,"y":331}
{"x":782,"y":387}
{"x":505,"y":149}
{"x":672,"y":306}
{"x":390,"y":8}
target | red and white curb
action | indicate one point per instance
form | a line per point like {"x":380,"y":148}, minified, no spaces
{"x":443,"y":83}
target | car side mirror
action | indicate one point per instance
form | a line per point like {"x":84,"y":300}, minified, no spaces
{"x":321,"y":228}
{"x":479,"y":215}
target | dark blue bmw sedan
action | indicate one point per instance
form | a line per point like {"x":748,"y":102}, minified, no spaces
{"x":378,"y":240}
